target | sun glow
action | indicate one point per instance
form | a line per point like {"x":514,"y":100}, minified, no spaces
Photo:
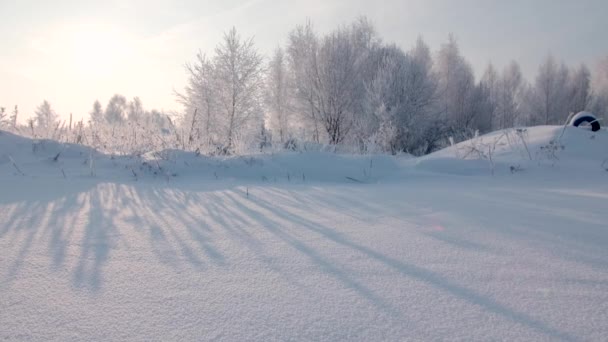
{"x":86,"y":50}
{"x":97,"y":52}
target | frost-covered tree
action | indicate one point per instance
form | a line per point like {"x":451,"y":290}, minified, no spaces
{"x":386,"y":98}
{"x":426,"y":129}
{"x":302,"y":57}
{"x":3,"y":117}
{"x":14,"y":117}
{"x":224,"y":97}
{"x":490,"y":83}
{"x":509,"y":97}
{"x":238,"y":88}
{"x":46,"y":120}
{"x":333,"y":70}
{"x":200,"y":105}
{"x":579,"y":84}
{"x":336,"y":84}
{"x":364,"y":36}
{"x":279,"y":96}
{"x":366,"y":42}
{"x":135,"y":110}
{"x":116,"y":110}
{"x":482,"y":106}
{"x":96,"y":115}
{"x":422,"y":79}
{"x":548,"y":97}
{"x":402,"y":95}
{"x":456,"y":89}
{"x":130,"y":129}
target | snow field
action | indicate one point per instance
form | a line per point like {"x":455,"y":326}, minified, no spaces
{"x":416,"y":250}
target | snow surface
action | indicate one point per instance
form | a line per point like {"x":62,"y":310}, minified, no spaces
{"x":311,"y":246}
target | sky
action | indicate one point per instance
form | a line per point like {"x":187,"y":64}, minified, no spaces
{"x":73,"y":52}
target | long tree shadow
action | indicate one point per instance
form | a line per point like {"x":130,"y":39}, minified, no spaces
{"x":98,"y":239}
{"x":574,"y":233}
{"x":167,"y":218}
{"x":184,"y":225}
{"x":50,"y":219}
{"x":264,"y":208}
{"x":230,"y":213}
{"x":325,"y":264}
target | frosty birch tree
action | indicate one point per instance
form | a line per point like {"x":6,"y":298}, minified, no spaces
{"x":456,"y":87}
{"x":385,"y":97}
{"x":548,"y":96}
{"x":426,"y":129}
{"x":3,"y":117}
{"x":135,"y":110}
{"x":278,"y":95}
{"x":302,"y":53}
{"x":96,"y":115}
{"x":199,"y":103}
{"x":96,"y":123}
{"x":335,"y":84}
{"x":579,"y":85}
{"x":238,"y":86}
{"x":402,"y":95}
{"x":46,"y":120}
{"x":509,"y":96}
{"x":116,"y":110}
{"x":13,"y":118}
{"x":490,"y":82}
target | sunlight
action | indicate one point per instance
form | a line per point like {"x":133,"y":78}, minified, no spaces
{"x":86,"y":50}
{"x":96,"y":51}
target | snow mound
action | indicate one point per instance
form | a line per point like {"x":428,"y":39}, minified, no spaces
{"x":42,"y":158}
{"x":21,"y":156}
{"x":514,"y":150}
{"x":283,"y":167}
{"x":577,"y":152}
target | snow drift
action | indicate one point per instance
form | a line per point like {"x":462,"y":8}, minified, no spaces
{"x":537,"y":150}
{"x":50,"y":159}
{"x":533,"y":150}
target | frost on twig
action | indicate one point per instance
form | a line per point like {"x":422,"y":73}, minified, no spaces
{"x":479,"y":149}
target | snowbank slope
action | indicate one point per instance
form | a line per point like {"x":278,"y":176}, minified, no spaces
{"x":538,"y":150}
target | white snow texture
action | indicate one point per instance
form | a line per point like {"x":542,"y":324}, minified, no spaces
{"x":308,"y":246}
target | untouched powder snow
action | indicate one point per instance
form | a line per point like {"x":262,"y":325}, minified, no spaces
{"x":368,"y":248}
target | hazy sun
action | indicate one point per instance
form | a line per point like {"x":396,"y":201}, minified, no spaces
{"x":84,"y":50}
{"x":96,"y":51}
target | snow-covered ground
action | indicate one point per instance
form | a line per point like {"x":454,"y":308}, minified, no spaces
{"x":311,"y":246}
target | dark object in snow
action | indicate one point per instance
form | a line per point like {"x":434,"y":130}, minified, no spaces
{"x":585,"y":117}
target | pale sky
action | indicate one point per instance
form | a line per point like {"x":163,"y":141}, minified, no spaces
{"x":73,"y":52}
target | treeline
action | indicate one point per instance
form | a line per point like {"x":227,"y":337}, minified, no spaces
{"x":347,"y":89}
{"x":121,"y":127}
